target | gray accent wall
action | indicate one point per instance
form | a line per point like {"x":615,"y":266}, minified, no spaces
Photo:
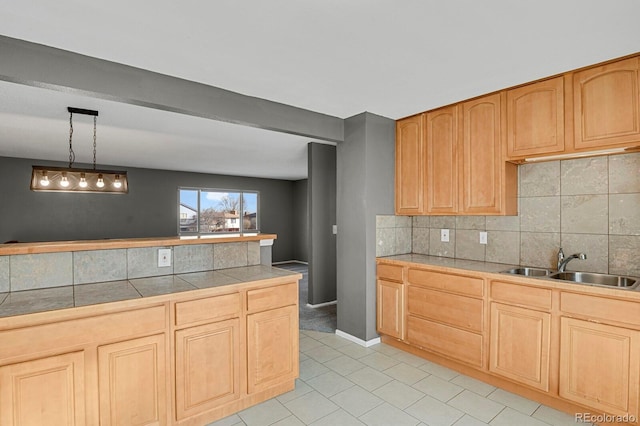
{"x":322,"y":217}
{"x":301,"y":221}
{"x":149,"y":210}
{"x":365,"y":173}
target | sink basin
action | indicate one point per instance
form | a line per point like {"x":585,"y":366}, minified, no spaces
{"x":528,"y":272}
{"x":596,"y":279}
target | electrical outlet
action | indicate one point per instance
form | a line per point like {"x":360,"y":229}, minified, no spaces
{"x":164,"y":258}
{"x":483,"y":237}
{"x":444,"y":235}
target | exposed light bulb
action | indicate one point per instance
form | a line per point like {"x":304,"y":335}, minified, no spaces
{"x":64,"y":182}
{"x":45,"y":179}
{"x":100,"y":183}
{"x":83,"y":181}
{"x":117,"y":183}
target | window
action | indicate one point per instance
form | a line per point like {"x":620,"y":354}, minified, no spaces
{"x":214,"y":211}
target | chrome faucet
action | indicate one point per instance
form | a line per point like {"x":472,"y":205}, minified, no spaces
{"x":562,"y":261}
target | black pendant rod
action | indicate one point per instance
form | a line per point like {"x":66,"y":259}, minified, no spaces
{"x":82,"y":111}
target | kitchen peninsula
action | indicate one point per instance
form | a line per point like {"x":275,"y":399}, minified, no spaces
{"x":186,"y":344}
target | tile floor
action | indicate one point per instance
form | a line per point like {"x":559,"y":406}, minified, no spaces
{"x":343,"y":384}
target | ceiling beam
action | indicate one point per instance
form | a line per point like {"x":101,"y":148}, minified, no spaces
{"x":50,"y":68}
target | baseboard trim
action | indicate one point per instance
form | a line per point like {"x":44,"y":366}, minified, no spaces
{"x":357,"y":340}
{"x":319,"y":305}
{"x":290,"y":261}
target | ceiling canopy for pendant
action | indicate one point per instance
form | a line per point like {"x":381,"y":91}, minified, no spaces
{"x":69,"y":179}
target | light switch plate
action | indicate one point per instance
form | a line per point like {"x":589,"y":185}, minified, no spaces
{"x":444,"y":235}
{"x":483,"y":237}
{"x":334,"y":229}
{"x":164,"y":258}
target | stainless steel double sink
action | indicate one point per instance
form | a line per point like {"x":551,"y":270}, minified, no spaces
{"x":592,"y":278}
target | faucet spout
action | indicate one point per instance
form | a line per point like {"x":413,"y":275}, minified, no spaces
{"x":563,"y":261}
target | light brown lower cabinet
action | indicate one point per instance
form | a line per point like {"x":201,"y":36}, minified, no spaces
{"x":132,"y":382}
{"x":44,"y":391}
{"x":207,"y":367}
{"x":272,"y":350}
{"x":390,"y":307}
{"x":520,"y":345}
{"x":599,"y":366}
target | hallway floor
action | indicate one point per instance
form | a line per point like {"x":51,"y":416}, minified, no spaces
{"x":342,"y":384}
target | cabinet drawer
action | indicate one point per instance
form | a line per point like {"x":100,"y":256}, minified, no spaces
{"x":448,"y":341}
{"x":600,"y":307}
{"x":390,"y":272}
{"x":459,"y":311}
{"x":460,"y":284}
{"x":211,"y":308}
{"x":272,"y":297}
{"x":521,"y":295}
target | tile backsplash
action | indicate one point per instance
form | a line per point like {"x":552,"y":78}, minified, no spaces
{"x":589,"y":205}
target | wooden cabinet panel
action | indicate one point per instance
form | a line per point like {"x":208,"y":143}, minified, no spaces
{"x":481,"y":150}
{"x":132,"y":382}
{"x":409,"y":166}
{"x":441,"y":134}
{"x":207,"y":309}
{"x":390,"y":316}
{"x":452,"y":283}
{"x":207,"y":367}
{"x":535,"y":118}
{"x":595,"y":307}
{"x":521,"y":295}
{"x":606,"y":105}
{"x":448,"y":341}
{"x":599,"y":366}
{"x":45,"y":391}
{"x":459,"y":311}
{"x":272,"y":297}
{"x":272,"y":347}
{"x":520,"y":345}
{"x":390,"y":272}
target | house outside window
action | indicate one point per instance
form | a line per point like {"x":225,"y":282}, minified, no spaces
{"x":216,"y":211}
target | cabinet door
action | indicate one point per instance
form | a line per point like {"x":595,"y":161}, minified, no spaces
{"x":535,"y":118}
{"x":45,"y":391}
{"x":599,"y":366}
{"x":481,"y":155}
{"x":390,"y":309}
{"x":441,"y":128}
{"x":272,"y":347}
{"x":519,"y":345}
{"x":207,"y":367}
{"x":409,"y":166}
{"x":606,"y":106}
{"x":132,"y":382}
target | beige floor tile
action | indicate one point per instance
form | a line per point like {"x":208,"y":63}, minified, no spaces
{"x":438,"y":388}
{"x":330,"y":383}
{"x":398,"y":394}
{"x":477,"y":406}
{"x":473,"y":385}
{"x":232,"y":420}
{"x":405,"y":373}
{"x":511,"y":417}
{"x":524,"y":405}
{"x":264,"y":414}
{"x":434,"y":413}
{"x":379,"y":361}
{"x":335,"y":341}
{"x":438,"y":370}
{"x":386,"y":415}
{"x":554,"y":417}
{"x":355,"y":351}
{"x":301,"y":389}
{"x":311,"y":407}
{"x":338,"y":418}
{"x":289,"y":421}
{"x":307,"y":343}
{"x":386,"y":349}
{"x":356,"y":401}
{"x":410,"y":359}
{"x":323,"y":353}
{"x":310,"y":368}
{"x":344,"y":365}
{"x":369,"y":378}
{"x":467,"y":420}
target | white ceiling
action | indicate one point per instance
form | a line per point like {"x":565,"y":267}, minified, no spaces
{"x":393,"y":58}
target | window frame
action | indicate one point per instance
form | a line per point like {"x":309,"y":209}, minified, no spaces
{"x":241,"y":231}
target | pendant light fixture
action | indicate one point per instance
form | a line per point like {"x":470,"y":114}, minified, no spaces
{"x":69,"y":179}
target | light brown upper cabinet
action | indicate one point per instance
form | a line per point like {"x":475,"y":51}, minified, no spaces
{"x":441,"y":135}
{"x":606,"y":110}
{"x":488,"y":185}
{"x":535,"y":119}
{"x":409,"y":166}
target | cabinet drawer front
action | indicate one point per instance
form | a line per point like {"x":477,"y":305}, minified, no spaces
{"x":272,"y":297}
{"x":459,"y":311}
{"x":193,"y":311}
{"x":390,"y":272}
{"x":82,"y":331}
{"x":460,"y":284}
{"x":448,"y":341}
{"x":521,"y":295}
{"x":600,"y":307}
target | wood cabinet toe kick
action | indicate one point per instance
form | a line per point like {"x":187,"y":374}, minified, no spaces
{"x":188,"y":358}
{"x":573,"y":348}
